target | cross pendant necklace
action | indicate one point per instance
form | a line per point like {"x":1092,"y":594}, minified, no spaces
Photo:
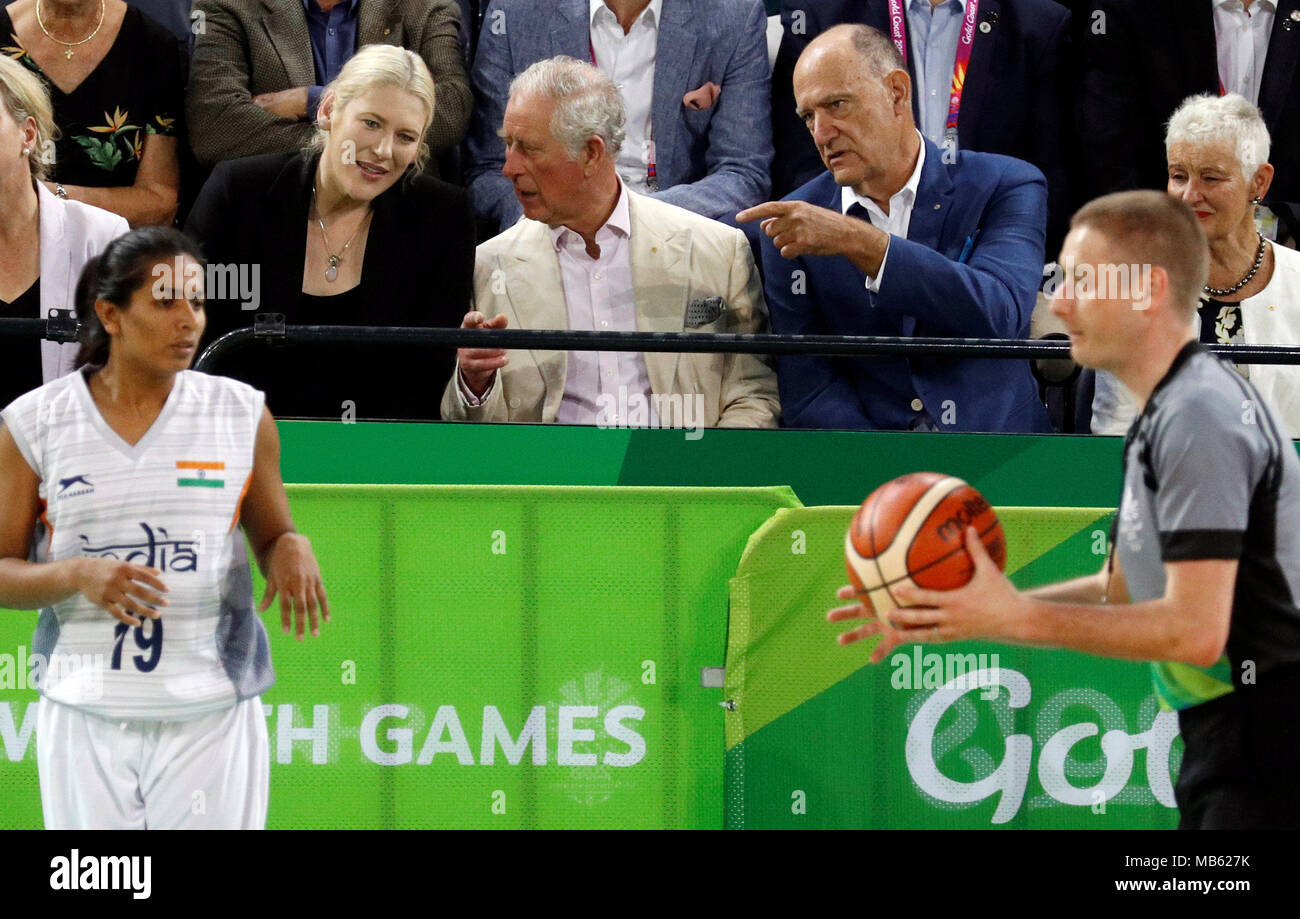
{"x":68,"y":47}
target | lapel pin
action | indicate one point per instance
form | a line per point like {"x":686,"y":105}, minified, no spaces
{"x":1295,"y":15}
{"x":1287,"y":23}
{"x":985,"y":28}
{"x":936,"y":207}
{"x":387,"y":31}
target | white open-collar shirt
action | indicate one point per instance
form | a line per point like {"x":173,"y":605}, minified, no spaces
{"x":599,"y":297}
{"x":1241,"y":42}
{"x":899,"y":218}
{"x":629,"y":60}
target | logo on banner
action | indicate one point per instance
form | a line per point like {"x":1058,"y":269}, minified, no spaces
{"x":1058,"y":772}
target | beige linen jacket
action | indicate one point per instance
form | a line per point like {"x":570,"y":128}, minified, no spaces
{"x":677,"y":257}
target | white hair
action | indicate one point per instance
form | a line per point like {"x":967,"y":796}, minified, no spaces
{"x":1207,"y":119}
{"x":587,"y":103}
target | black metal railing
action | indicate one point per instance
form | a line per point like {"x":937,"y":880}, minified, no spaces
{"x":271,"y":329}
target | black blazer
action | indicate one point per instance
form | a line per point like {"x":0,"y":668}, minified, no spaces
{"x":1016,"y":101}
{"x":418,"y":271}
{"x":1150,"y":56}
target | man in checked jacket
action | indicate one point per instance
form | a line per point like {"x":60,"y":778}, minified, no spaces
{"x":260,"y":66}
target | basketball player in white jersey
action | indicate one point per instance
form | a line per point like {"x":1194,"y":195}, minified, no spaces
{"x":122,"y":488}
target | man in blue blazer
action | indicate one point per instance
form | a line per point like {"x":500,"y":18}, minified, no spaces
{"x":1018,"y":96}
{"x":710,"y":115}
{"x":946,"y":249}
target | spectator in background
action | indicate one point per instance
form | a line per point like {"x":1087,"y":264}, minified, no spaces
{"x":1016,"y":97}
{"x":116,"y":79}
{"x":173,"y":15}
{"x":694,"y":77}
{"x":593,"y":255}
{"x":469,"y":28}
{"x":347,"y":233}
{"x":1218,"y":164}
{"x":260,"y":67}
{"x":896,"y":240}
{"x":1144,"y":57}
{"x":44,"y":240}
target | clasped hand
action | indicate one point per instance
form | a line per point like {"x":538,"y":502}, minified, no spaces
{"x":478,"y":365}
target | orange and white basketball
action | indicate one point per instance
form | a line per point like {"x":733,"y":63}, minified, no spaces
{"x":912,"y":531}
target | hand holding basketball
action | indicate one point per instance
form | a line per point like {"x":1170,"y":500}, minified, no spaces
{"x":931,"y":543}
{"x":890,"y":637}
{"x":909,"y":531}
{"x":987,"y":607}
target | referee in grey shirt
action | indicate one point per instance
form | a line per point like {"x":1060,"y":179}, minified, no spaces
{"x":1205,"y":561}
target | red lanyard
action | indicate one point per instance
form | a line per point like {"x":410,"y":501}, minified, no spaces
{"x":965,"y":44}
{"x":651,"y":174}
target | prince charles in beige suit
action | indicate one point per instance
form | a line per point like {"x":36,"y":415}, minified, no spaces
{"x":590,"y":254}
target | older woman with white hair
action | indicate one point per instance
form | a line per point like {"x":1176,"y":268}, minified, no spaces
{"x":1217,"y":150}
{"x":346,"y":232}
{"x":44,"y":240}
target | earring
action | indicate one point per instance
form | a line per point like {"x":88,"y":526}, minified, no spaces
{"x":1257,"y":200}
{"x":27,"y":151}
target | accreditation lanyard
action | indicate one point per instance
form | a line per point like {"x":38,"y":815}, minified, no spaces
{"x":651,"y":174}
{"x":965,"y":43}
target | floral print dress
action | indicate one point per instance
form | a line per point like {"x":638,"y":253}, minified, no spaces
{"x":138,"y":89}
{"x":1221,"y":325}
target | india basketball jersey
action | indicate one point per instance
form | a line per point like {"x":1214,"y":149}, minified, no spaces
{"x":169,"y":502}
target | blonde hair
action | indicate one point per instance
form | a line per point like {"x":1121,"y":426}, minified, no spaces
{"x":25,"y":96}
{"x":383,"y":65}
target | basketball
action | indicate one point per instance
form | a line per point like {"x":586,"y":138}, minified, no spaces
{"x":912,"y":531}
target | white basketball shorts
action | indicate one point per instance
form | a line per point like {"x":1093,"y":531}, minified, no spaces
{"x":209,"y":773}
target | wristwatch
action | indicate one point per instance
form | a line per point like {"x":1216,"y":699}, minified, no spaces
{"x":60,"y":191}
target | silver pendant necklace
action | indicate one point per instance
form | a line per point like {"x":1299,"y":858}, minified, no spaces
{"x":332,"y":271}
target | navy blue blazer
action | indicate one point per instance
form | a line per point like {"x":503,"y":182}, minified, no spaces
{"x":970,"y":268}
{"x":1017,"y":101}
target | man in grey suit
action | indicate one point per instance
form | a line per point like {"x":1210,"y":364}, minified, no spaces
{"x":260,"y":66}
{"x":694,"y":76}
